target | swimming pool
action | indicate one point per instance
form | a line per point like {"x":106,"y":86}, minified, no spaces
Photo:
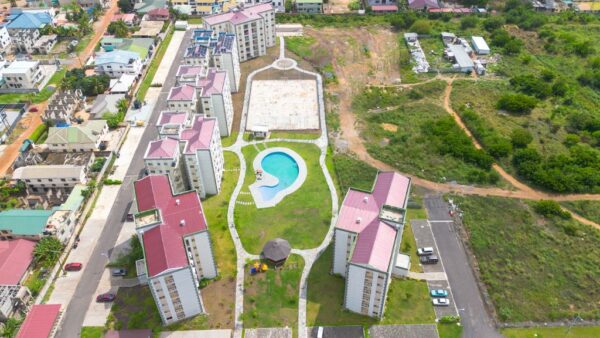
{"x":284,"y":168}
{"x":280,"y":172}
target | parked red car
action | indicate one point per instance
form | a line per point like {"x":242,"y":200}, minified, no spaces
{"x":73,"y":267}
{"x":106,"y":297}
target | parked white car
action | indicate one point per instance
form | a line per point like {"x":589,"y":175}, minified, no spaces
{"x":441,"y":302}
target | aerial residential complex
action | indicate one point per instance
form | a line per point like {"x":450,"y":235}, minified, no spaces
{"x":177,"y":248}
{"x":208,"y":7}
{"x":366,"y":241}
{"x":254,"y":27}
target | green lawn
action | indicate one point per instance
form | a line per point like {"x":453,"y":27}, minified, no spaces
{"x":271,"y":298}
{"x":92,"y":332}
{"x":409,"y":246}
{"x":302,"y":218}
{"x":194,"y":21}
{"x":215,"y":209}
{"x":449,"y":330}
{"x":535,"y":268}
{"x":587,"y":209}
{"x":229,"y":140}
{"x":353,"y":173}
{"x":134,"y":308}
{"x":160,"y":53}
{"x":408,"y":301}
{"x":553,"y":332}
{"x":42,"y":96}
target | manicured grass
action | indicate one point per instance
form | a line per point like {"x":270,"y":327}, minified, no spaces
{"x":399,"y":130}
{"x":353,"y":173}
{"x":229,"y":140}
{"x":160,"y":53}
{"x":194,"y":21}
{"x":449,"y":330}
{"x":408,"y":301}
{"x":300,"y":45}
{"x":271,"y":298}
{"x":134,"y":308}
{"x":553,"y":332}
{"x":215,"y":210}
{"x":587,"y":209}
{"x":409,"y":246}
{"x":535,"y":268}
{"x":302,"y":217}
{"x":92,"y":332}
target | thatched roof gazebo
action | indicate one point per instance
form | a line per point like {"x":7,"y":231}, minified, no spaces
{"x":277,"y":250}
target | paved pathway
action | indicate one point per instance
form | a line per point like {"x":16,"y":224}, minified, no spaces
{"x":310,"y":255}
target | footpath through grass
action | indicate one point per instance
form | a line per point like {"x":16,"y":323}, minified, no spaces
{"x":302,"y":217}
{"x":587,"y":209}
{"x":408,"y":301}
{"x":535,"y":268}
{"x":271,"y":298}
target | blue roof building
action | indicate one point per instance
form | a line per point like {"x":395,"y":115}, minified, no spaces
{"x":27,"y":20}
{"x":117,"y":56}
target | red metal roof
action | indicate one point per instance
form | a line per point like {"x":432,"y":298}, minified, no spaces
{"x":39,"y":321}
{"x":199,"y":135}
{"x":384,"y":8}
{"x":15,"y":258}
{"x":181,"y":215}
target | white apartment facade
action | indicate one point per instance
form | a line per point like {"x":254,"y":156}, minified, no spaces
{"x":5,"y":41}
{"x":23,"y":74}
{"x":253,"y":26}
{"x":118,"y":62}
{"x":162,"y":157}
{"x":177,"y":248}
{"x":183,"y":98}
{"x":40,"y":178}
{"x":366,"y":242}
{"x":215,"y":99}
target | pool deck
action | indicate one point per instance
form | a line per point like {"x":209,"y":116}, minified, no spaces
{"x":270,"y":180}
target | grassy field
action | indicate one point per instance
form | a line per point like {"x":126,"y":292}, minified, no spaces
{"x":92,"y":332}
{"x":535,"y":268}
{"x":134,"y":308}
{"x":408,"y":301}
{"x":302,"y":218}
{"x":353,"y":173}
{"x":271,"y":298}
{"x":397,"y":131}
{"x":553,"y":332}
{"x":587,"y":209}
{"x":449,"y":330}
{"x":147,"y":81}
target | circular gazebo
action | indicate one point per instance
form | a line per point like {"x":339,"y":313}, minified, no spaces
{"x":277,"y":251}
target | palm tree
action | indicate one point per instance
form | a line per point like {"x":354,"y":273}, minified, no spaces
{"x":47,"y":251}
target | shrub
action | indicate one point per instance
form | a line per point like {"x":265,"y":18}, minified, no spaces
{"x":469,"y":21}
{"x":492,"y":23}
{"x":531,"y":85}
{"x":421,"y":27}
{"x":109,"y":181}
{"x":571,"y":140}
{"x":498,"y":146}
{"x":449,"y":319}
{"x":549,"y":208}
{"x":38,"y":132}
{"x":517,"y":103}
{"x":520,"y":138}
{"x":98,"y":164}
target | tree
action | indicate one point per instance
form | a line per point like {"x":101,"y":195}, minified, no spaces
{"x":289,"y":6}
{"x":493,"y":23}
{"x":520,"y":138}
{"x":531,"y":85}
{"x":125,"y":6}
{"x":421,"y":27}
{"x":119,"y":29}
{"x":96,"y":11}
{"x":47,"y":251}
{"x":513,"y":46}
{"x":517,"y":103}
{"x":469,"y":21}
{"x":549,"y":208}
{"x":11,"y":327}
{"x":94,"y":85}
{"x":498,"y":146}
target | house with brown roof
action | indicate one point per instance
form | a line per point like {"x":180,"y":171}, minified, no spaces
{"x":177,"y":249}
{"x":158,"y":14}
{"x":367,"y":239}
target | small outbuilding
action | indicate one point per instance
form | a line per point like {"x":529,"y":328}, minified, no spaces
{"x":479,"y":45}
{"x":277,"y":251}
{"x":260,"y":131}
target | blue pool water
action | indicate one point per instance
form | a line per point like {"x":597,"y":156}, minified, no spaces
{"x":282,"y":166}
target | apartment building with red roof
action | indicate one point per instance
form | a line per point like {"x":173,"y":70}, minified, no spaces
{"x":366,"y":241}
{"x":177,"y":249}
{"x":40,"y":321}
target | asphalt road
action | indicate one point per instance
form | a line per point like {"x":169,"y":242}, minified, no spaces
{"x":86,"y":289}
{"x":474,"y":317}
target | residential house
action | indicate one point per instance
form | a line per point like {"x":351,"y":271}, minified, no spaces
{"x":144,"y":47}
{"x":63,"y":105}
{"x":464,"y":63}
{"x":23,"y":74}
{"x":214,"y":95}
{"x":88,"y":136}
{"x":144,"y":6}
{"x":479,"y":45}
{"x":171,"y":123}
{"x":34,"y":224}
{"x":149,"y":29}
{"x":383,"y":6}
{"x":40,"y":178}
{"x":177,"y":249}
{"x":45,"y":44}
{"x":130,"y":19}
{"x":5,"y":41}
{"x":366,"y":241}
{"x":183,"y":98}
{"x":24,"y":29}
{"x":206,"y":8}
{"x":164,"y":157}
{"x":105,"y":103}
{"x":122,"y":85}
{"x":87,"y":4}
{"x":14,"y":300}
{"x":118,"y":62}
{"x":203,"y":154}
{"x":16,"y":257}
{"x":309,"y":6}
{"x":279,"y":5}
{"x":41,"y":321}
{"x":158,"y":14}
{"x":423,"y":4}
{"x":254,"y":27}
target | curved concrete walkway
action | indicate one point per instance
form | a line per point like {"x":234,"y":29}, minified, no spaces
{"x":309,"y":255}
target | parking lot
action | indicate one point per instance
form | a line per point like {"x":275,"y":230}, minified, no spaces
{"x":424,"y":238}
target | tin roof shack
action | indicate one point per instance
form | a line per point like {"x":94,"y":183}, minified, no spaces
{"x":479,"y":45}
{"x":463,"y":62}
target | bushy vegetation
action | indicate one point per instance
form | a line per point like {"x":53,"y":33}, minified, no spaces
{"x":517,"y":103}
{"x":89,"y":85}
{"x":537,"y":269}
{"x":38,"y":132}
{"x":47,"y":251}
{"x":113,"y":119}
{"x":549,"y":208}
{"x":98,"y":164}
{"x":118,"y":28}
{"x":9,"y":194}
{"x":128,"y":260}
{"x":353,"y":173}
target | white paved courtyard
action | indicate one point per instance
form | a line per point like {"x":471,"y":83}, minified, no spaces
{"x":283,"y":105}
